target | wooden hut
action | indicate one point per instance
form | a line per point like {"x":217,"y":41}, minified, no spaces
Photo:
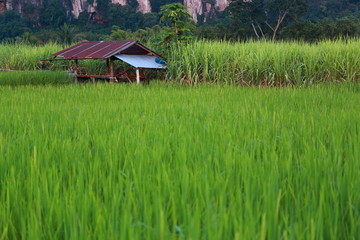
{"x":132,"y":52}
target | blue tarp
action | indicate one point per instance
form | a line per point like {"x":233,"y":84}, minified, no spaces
{"x":142,"y":61}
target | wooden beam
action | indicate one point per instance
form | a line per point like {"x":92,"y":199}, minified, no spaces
{"x":57,"y":59}
{"x":149,"y":50}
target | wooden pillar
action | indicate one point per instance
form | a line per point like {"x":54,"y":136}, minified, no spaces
{"x":137,"y":76}
{"x":111,"y":67}
{"x":111,"y":70}
{"x":107,"y":67}
{"x":76,"y":70}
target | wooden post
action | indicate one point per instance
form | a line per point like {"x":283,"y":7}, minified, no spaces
{"x":107,"y":67}
{"x":76,"y":66}
{"x":111,"y":70}
{"x":137,"y":76}
{"x":76,"y":70}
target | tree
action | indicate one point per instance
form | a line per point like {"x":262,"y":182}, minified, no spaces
{"x":306,"y":31}
{"x":156,"y":4}
{"x":52,"y":13}
{"x":178,"y":17}
{"x":125,"y":17}
{"x":103,"y":8}
{"x":66,"y":34}
{"x":280,"y":9}
{"x":118,"y":34}
{"x":12,"y":25}
{"x":29,"y":38}
{"x":248,"y":12}
{"x":261,"y":14}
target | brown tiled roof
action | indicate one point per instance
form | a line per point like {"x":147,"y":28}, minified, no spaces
{"x":95,"y":49}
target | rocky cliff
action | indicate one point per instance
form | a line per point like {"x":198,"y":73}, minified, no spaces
{"x":207,"y":8}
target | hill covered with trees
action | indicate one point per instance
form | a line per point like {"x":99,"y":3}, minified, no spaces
{"x":39,"y":21}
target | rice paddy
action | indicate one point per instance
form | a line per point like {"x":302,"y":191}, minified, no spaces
{"x":205,"y":160}
{"x":115,"y":161}
{"x":34,"y":78}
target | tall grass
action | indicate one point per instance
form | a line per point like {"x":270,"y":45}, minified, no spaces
{"x":255,"y":63}
{"x":250,"y":63}
{"x":26,"y":57}
{"x":167,"y":162}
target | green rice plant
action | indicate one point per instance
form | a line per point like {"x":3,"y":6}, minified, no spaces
{"x":165,"y":161}
{"x":34,"y":78}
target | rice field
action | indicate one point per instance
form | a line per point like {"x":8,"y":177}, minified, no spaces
{"x":164,"y":161}
{"x":34,"y":78}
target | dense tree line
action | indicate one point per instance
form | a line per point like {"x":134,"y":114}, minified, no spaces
{"x":285,"y":19}
{"x":307,"y":20}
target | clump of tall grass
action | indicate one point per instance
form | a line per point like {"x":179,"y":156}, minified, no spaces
{"x":269,"y":63}
{"x":34,"y":78}
{"x":23,"y":57}
{"x":18,"y":56}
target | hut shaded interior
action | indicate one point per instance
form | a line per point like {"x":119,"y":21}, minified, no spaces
{"x":131,"y":52}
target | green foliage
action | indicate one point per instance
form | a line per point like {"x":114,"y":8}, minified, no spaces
{"x":66,"y":34}
{"x":53,"y":14}
{"x":28,"y":38}
{"x":103,"y":8}
{"x":151,"y":19}
{"x":265,"y":17}
{"x":12,"y":25}
{"x":259,"y":19}
{"x":177,"y":16}
{"x":324,"y":29}
{"x":110,"y":161}
{"x":83,"y":18}
{"x":132,"y":3}
{"x":28,"y":8}
{"x":125,"y":17}
{"x":151,"y":37}
{"x":157,"y":4}
{"x":118,"y":34}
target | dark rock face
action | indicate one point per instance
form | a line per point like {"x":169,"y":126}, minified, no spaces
{"x":2,"y":6}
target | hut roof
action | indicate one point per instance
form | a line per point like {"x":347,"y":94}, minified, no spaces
{"x":105,"y":49}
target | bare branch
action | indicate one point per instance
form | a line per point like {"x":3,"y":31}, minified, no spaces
{"x":256,"y":33}
{"x":262,"y":33}
{"x":266,"y":22}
